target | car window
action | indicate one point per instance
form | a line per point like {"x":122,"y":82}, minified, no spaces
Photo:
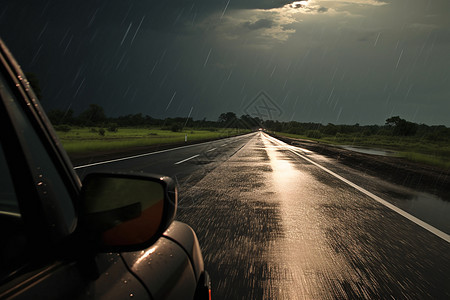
{"x":8,"y":199}
{"x":54,"y":196}
{"x":13,"y":239}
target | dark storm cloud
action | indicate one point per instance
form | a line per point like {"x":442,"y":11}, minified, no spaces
{"x":262,"y":23}
{"x":353,"y":61}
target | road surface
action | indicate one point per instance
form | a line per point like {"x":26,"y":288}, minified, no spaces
{"x":277,"y":222}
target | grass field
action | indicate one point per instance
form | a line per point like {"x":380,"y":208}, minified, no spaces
{"x":436,"y":153}
{"x":85,"y":140}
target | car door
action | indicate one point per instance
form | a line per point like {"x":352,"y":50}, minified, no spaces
{"x":40,"y":256}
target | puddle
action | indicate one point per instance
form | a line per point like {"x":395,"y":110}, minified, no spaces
{"x":369,"y":151}
{"x":427,"y":207}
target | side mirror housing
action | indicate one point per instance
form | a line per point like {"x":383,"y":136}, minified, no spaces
{"x":126,"y":212}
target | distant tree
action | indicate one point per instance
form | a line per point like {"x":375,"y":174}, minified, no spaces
{"x":63,"y":128}
{"x":58,"y":117}
{"x":401,"y":127}
{"x":94,"y":115}
{"x":249,"y":122}
{"x":330,"y":129}
{"x":112,"y":127}
{"x":228,"y":119}
{"x":176,"y":127}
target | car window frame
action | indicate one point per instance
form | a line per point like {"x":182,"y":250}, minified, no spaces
{"x":15,"y":152}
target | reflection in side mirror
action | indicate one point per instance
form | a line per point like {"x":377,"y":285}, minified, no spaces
{"x":127,"y":210}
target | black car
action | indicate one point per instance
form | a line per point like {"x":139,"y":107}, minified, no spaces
{"x":112,"y":236}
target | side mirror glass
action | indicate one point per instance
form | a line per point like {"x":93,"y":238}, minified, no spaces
{"x":127,"y":210}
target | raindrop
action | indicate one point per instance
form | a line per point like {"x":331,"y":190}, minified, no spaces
{"x":285,"y":97}
{"x":42,"y":31}
{"x":329,"y":97}
{"x":376,"y":41}
{"x":126,"y":33}
{"x":229,"y":75}
{"x":79,"y":87}
{"x":388,"y":99}
{"x":173,"y":96}
{"x":178,"y":17}
{"x":192,"y":7}
{"x":399,"y":58}
{"x":154,"y":66}
{"x":92,"y":18}
{"x":163,"y":80}
{"x":339,"y":114}
{"x":273,"y":71}
{"x":243,"y":87}
{"x":120,"y":61}
{"x":93,"y":36}
{"x":36,"y":55}
{"x":68,"y":44}
{"x":64,"y":37}
{"x":134,"y":36}
{"x":225,"y":9}
{"x":126,"y":15}
{"x":207,"y":57}
{"x":409,"y":90}
{"x":45,"y":8}
{"x":334,"y":74}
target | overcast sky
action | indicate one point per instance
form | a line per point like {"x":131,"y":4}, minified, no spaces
{"x":341,"y":62}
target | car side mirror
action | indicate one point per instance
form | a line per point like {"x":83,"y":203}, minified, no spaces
{"x":126,"y":212}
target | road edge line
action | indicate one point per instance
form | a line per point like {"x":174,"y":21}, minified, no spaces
{"x":147,"y":154}
{"x":387,"y":204}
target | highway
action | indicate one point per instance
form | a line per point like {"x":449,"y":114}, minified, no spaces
{"x":279,"y":222}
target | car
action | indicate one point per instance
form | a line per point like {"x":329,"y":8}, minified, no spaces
{"x":111,"y":236}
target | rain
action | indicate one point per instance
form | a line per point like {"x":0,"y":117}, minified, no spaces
{"x":341,"y":60}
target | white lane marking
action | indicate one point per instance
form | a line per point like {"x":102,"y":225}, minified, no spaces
{"x":182,"y":161}
{"x":8,"y":213}
{"x":211,"y":149}
{"x":145,"y":154}
{"x":303,"y":150}
{"x":401,"y":212}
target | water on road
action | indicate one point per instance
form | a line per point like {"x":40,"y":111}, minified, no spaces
{"x":273,"y":226}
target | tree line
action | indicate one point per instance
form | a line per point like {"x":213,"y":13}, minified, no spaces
{"x":394,"y":126}
{"x":94,"y":116}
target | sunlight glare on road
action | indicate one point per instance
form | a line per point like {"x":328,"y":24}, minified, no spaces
{"x":303,"y":252}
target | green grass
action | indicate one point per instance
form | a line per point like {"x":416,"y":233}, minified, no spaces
{"x":435,"y":153}
{"x":85,"y":140}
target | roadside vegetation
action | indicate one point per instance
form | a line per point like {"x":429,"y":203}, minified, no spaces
{"x":92,"y":131}
{"x":95,"y":139}
{"x":415,"y":142}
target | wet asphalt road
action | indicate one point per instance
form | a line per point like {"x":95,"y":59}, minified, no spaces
{"x":273,"y":225}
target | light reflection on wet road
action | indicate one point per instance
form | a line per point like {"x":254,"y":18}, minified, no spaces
{"x":274,"y":226}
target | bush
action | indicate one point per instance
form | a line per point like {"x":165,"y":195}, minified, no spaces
{"x":93,"y":130}
{"x":315,"y":134}
{"x":296,"y":130}
{"x":101,"y":131}
{"x":176,"y":127}
{"x":112,"y":127}
{"x":63,"y":128}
